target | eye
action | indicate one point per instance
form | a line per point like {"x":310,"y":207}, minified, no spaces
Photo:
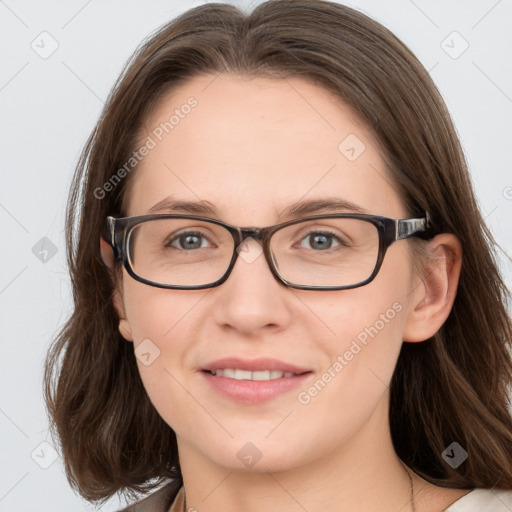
{"x":188,"y":240}
{"x":321,"y":240}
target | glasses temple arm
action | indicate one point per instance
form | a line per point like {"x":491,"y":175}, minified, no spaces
{"x":407,"y":227}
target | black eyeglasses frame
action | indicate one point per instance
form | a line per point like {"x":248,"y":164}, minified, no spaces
{"x":117,"y":234}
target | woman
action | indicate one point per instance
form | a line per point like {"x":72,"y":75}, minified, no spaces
{"x":347,"y":349}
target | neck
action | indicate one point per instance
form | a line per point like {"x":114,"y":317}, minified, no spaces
{"x":363,"y":473}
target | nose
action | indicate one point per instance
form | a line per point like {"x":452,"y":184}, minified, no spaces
{"x":252,"y":299}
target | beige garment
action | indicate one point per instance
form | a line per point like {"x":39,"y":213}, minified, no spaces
{"x":483,"y":500}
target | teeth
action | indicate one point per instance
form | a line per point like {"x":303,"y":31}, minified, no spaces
{"x":248,"y":375}
{"x":264,"y":375}
{"x":243,"y":375}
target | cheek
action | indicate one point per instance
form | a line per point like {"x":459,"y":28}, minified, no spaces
{"x":374,"y":311}
{"x":366,"y":334}
{"x":361,"y":358}
{"x":366,"y":326}
{"x":156,"y":313}
{"x":163,"y":324}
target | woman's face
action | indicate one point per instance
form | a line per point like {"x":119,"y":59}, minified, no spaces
{"x":251,"y":148}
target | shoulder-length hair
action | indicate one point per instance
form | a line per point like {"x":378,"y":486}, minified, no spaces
{"x":452,"y":387}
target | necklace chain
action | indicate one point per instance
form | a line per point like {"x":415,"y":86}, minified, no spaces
{"x":413,"y":506}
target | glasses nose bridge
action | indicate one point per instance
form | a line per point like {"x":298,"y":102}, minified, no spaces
{"x":259,"y":234}
{"x":251,"y":232}
{"x":263,"y":236}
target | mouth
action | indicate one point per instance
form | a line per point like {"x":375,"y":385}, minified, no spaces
{"x":253,"y":382}
{"x":259,"y":375}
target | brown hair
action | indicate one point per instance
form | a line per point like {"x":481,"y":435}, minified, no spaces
{"x":452,"y":387}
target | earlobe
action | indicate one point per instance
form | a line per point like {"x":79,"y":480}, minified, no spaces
{"x":125,"y":329}
{"x":433,"y":297}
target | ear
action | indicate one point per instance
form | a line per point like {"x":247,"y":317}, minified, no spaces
{"x":107,"y":255}
{"x":434,"y":293}
{"x":124,"y":325}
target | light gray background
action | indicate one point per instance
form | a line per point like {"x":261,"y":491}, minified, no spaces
{"x":48,"y":106}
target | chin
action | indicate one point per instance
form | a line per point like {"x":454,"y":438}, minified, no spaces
{"x":255,"y":456}
{"x":272,"y":464}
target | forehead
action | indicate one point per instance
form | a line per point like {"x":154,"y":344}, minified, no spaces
{"x":253,"y":146}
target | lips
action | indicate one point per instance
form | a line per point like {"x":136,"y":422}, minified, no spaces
{"x":284,"y":378}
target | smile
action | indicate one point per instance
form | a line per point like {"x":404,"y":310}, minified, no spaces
{"x":234,"y":373}
{"x":254,"y":387}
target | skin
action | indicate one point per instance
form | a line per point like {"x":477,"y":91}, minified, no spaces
{"x":251,"y":148}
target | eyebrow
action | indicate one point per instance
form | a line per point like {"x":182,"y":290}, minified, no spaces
{"x":324,"y":205}
{"x":171,"y":205}
{"x":298,"y":209}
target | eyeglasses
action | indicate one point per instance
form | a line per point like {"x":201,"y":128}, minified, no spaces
{"x":321,"y":252}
